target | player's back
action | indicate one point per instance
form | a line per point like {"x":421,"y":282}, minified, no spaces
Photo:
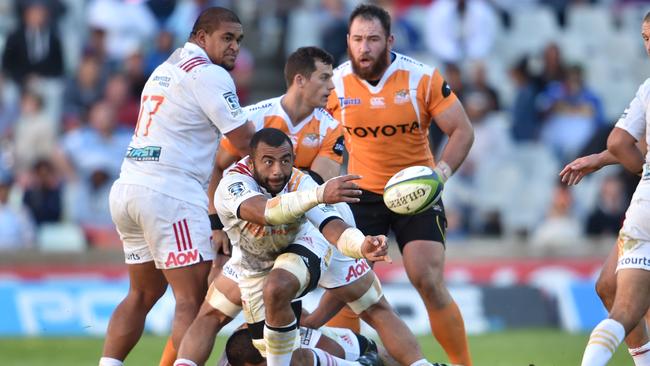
{"x":178,"y":130}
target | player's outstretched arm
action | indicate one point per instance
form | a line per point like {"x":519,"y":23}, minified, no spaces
{"x":220,"y":240}
{"x":353,"y":243}
{"x":573,"y":172}
{"x":623,"y":146}
{"x":290,"y":207}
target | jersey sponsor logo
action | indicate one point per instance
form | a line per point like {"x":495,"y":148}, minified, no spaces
{"x":386,"y":130}
{"x":339,"y":146}
{"x":236,"y":189}
{"x":326,"y":208}
{"x":311,"y":140}
{"x":233,"y":103}
{"x":402,"y":97}
{"x":162,"y":80}
{"x":356,"y":270}
{"x":377,"y":102}
{"x":446,"y":89}
{"x":147,"y":153}
{"x":349,"y":101}
{"x":230,"y":271}
{"x":182,"y":258}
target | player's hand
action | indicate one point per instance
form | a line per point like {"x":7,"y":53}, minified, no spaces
{"x":375,"y":248}
{"x":573,"y":172}
{"x":340,"y":189}
{"x":221,"y":242}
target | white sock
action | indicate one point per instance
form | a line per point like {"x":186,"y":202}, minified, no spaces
{"x":422,"y":362}
{"x":323,"y":358}
{"x":603,"y":342}
{"x":280,"y":343}
{"x":641,"y":355}
{"x":184,"y":362}
{"x":107,"y":361}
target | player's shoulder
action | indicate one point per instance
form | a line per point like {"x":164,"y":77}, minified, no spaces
{"x":240,"y":169}
{"x":262,"y":107}
{"x":325,"y":118}
{"x":342,"y":70}
{"x":644,"y":90}
{"x":412,"y":65}
{"x":299,"y":180}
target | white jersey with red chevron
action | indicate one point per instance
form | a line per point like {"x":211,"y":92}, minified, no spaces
{"x":186,"y":104}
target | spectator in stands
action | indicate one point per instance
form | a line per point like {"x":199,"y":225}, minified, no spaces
{"x":607,"y":217}
{"x":525,"y":117}
{"x":128,"y":25}
{"x":83,"y":90}
{"x":459,"y":30}
{"x":101,"y":143}
{"x":118,"y":93}
{"x":408,"y":39}
{"x":334,"y":28}
{"x":161,"y":51}
{"x":573,"y":114}
{"x":16,"y":228}
{"x":43,"y":195}
{"x":553,"y":67}
{"x":478,"y":82}
{"x":35,"y":133}
{"x":134,"y":70}
{"x":34,"y":48}
{"x":9,"y":110}
{"x":560,"y":227}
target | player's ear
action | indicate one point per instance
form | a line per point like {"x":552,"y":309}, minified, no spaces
{"x":390,"y":41}
{"x":299,"y":80}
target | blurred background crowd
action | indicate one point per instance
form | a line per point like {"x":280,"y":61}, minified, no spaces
{"x":543,"y":82}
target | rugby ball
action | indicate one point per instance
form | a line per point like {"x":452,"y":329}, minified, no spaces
{"x":412,"y":190}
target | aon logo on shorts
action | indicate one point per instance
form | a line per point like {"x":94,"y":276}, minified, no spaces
{"x":357,"y":269}
{"x":182,"y":258}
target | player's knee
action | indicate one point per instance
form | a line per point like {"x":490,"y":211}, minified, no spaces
{"x":187,"y":305}
{"x":432,"y":283}
{"x":144,"y":298}
{"x":280,"y":287}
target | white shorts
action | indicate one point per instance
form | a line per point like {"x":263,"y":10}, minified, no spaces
{"x":160,"y":228}
{"x":634,"y":238}
{"x":341,"y":270}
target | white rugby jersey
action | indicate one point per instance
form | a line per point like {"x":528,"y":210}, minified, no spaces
{"x":635,"y":120}
{"x":186,"y":104}
{"x":260,"y":244}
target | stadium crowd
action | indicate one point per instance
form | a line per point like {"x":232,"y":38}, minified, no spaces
{"x":537,"y":79}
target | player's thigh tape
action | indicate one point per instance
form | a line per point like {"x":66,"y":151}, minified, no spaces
{"x":219,"y":301}
{"x":302,"y":263}
{"x":368,"y":299}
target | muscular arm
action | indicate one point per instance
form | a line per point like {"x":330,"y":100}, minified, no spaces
{"x":623,"y":147}
{"x":456,"y":125}
{"x":325,"y":167}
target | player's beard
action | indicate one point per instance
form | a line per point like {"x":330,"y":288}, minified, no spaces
{"x":373,"y":72}
{"x":264,"y":182}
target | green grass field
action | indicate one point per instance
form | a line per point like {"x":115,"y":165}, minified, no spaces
{"x":539,"y":347}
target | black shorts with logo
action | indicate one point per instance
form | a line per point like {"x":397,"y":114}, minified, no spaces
{"x":374,"y":218}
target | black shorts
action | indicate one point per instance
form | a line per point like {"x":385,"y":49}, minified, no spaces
{"x":374,"y":218}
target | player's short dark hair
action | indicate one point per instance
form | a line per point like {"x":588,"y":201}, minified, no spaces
{"x":240,"y":349}
{"x":270,"y":136}
{"x":303,"y":62}
{"x":646,"y":18}
{"x":211,"y":18}
{"x":370,"y":12}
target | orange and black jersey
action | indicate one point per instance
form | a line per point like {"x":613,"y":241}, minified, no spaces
{"x":386,"y":126}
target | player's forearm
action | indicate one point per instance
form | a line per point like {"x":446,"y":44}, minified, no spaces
{"x":605,"y":158}
{"x":623,"y":147}
{"x":458,"y":146}
{"x":328,"y":306}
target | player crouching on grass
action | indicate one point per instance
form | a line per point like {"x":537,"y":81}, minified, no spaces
{"x":272,"y":214}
